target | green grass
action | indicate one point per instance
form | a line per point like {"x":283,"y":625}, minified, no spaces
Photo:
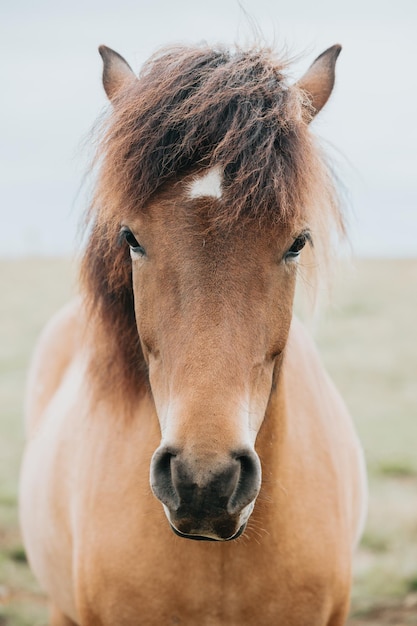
{"x":368,"y":339}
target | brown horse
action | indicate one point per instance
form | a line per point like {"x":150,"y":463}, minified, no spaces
{"x":181,"y":360}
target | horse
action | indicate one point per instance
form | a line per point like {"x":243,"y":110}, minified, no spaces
{"x":188,"y":459}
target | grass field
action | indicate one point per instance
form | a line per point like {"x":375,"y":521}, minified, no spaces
{"x":368,"y":338}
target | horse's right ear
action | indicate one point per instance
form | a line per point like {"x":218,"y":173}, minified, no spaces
{"x":117,"y":73}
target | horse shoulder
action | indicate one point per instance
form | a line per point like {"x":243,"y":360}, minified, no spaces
{"x":53,"y":355}
{"x":312,"y":393}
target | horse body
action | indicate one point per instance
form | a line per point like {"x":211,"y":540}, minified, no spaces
{"x":99,"y":542}
{"x":234,"y":419}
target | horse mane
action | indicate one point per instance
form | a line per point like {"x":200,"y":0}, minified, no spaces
{"x":193,"y":108}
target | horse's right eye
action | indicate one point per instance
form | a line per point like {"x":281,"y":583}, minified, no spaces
{"x":130,"y":238}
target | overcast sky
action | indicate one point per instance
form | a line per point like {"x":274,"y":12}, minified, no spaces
{"x":50,"y":75}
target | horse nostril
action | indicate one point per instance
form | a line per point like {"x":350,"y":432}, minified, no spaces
{"x":161,"y":477}
{"x":249,"y":481}
{"x":199,"y":490}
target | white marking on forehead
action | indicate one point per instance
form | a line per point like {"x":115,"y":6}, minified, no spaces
{"x":207,"y":184}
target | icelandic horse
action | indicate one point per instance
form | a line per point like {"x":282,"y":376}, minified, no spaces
{"x":188,"y":460}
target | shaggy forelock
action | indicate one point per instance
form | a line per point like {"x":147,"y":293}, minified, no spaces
{"x":200,"y":107}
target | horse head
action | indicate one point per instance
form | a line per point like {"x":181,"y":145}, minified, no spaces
{"x":214,"y":246}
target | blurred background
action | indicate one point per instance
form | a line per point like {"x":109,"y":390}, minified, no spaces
{"x":50,"y":74}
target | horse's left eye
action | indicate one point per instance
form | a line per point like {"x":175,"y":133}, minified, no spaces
{"x":130,"y":238}
{"x":297,"y":246}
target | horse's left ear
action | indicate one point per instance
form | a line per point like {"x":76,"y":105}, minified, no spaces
{"x":117,"y":73}
{"x":318,"y":81}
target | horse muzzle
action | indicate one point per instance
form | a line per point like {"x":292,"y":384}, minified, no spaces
{"x":206,"y":500}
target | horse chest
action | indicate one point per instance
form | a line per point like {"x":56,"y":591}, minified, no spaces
{"x":189,"y":583}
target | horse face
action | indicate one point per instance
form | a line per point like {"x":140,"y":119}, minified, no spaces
{"x":213,"y":309}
